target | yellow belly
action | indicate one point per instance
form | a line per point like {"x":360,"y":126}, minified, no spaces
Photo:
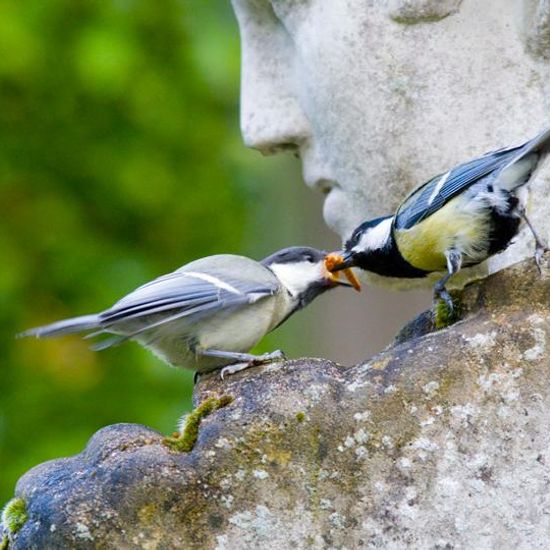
{"x":453,"y":226}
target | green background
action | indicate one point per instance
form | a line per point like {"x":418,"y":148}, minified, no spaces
{"x":120,"y":160}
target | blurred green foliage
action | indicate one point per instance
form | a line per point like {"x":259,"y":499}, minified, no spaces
{"x":120,"y":160}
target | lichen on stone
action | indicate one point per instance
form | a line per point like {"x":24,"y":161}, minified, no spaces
{"x":189,"y":432}
{"x":14,"y":515}
{"x":300,"y":416}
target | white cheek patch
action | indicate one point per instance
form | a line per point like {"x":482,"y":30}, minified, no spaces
{"x":374,"y":238}
{"x":298,"y":276}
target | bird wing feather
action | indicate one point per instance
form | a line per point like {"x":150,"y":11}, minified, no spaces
{"x":183,"y":294}
{"x":427,"y":199}
{"x":206,"y":286}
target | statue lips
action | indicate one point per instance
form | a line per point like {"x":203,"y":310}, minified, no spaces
{"x":322,"y":184}
{"x":336,"y":198}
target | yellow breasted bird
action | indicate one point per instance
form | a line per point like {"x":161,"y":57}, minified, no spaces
{"x":457,"y":219}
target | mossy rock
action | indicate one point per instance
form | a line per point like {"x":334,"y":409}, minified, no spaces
{"x":186,"y":439}
{"x":409,"y":449}
{"x":14,"y":515}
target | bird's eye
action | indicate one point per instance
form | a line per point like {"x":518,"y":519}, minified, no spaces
{"x":353,"y":240}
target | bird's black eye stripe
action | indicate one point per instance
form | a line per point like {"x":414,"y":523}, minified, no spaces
{"x":354,"y":239}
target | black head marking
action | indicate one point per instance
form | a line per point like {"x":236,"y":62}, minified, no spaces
{"x":386,"y":260}
{"x":295,"y":254}
{"x":361,"y":229}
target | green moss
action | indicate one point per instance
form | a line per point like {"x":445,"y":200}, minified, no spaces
{"x":300,"y":416}
{"x":4,"y":543}
{"x":187,"y":438}
{"x":148,"y":513}
{"x":444,"y":316}
{"x":14,"y":515}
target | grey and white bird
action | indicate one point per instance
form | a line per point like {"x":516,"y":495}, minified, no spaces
{"x":210,"y":312}
{"x":457,"y":219}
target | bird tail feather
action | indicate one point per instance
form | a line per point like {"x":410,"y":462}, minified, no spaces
{"x":519,"y":170}
{"x":67,"y":326}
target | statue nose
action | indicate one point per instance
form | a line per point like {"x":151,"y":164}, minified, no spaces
{"x":272,"y":121}
{"x":272,"y":118}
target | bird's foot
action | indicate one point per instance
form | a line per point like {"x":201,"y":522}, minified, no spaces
{"x":446,"y":311}
{"x":540,"y":250}
{"x":272,"y":357}
{"x":442,"y":294}
{"x":236,"y":367}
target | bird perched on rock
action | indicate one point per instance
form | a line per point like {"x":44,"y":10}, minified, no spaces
{"x":210,"y":312}
{"x":457,"y":219}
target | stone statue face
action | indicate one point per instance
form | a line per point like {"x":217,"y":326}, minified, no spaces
{"x":377,"y":96}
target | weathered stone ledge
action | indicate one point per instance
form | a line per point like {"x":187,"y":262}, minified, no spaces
{"x":441,"y":441}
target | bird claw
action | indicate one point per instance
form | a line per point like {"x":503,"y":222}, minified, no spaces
{"x":232,"y":369}
{"x":443,"y":294}
{"x":272,"y":357}
{"x":277,"y":355}
{"x":539,"y":253}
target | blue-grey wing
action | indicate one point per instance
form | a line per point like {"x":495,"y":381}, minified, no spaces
{"x":431,"y":196}
{"x":180,"y":295}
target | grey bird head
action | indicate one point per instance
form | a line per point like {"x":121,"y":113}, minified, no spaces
{"x":302,"y":271}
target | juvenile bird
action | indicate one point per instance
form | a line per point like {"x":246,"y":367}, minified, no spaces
{"x":457,"y":219}
{"x":210,"y":312}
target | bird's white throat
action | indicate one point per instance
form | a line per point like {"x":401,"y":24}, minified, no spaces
{"x":297,"y":277}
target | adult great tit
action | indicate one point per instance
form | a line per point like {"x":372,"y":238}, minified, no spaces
{"x":459,"y":218}
{"x":210,"y":312}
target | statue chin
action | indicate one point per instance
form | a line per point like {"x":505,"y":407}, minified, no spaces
{"x":334,"y":213}
{"x":342,"y":214}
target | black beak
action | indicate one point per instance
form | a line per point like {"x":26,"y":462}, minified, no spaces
{"x":336,"y":261}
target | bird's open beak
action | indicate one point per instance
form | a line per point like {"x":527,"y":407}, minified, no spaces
{"x":337,"y":264}
{"x":336,"y":261}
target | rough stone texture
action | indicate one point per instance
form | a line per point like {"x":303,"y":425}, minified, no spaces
{"x":441,"y":441}
{"x":537,"y":27}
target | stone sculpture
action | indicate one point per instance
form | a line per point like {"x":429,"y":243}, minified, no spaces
{"x":441,"y":441}
{"x":378,"y":97}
